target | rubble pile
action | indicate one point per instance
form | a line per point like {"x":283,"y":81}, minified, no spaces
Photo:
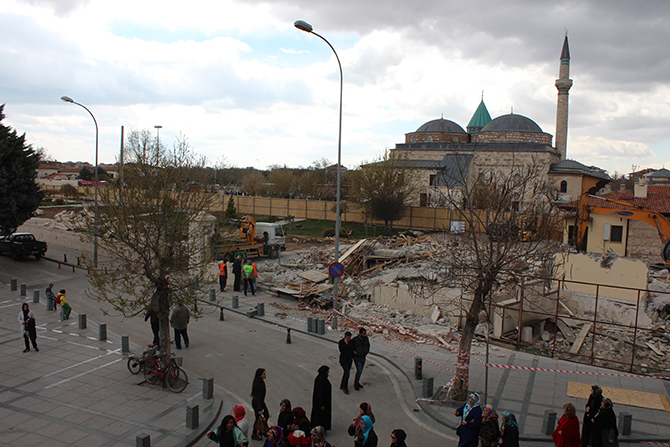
{"x":68,"y":220}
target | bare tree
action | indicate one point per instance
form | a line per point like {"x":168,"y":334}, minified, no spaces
{"x":144,"y":225}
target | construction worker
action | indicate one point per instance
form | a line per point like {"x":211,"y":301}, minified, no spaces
{"x":247,"y":273}
{"x":254,"y":275}
{"x":223,"y":275}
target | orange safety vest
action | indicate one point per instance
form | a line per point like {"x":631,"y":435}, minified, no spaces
{"x":255,"y":273}
{"x":223,"y":269}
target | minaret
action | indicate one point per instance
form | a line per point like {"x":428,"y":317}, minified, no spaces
{"x":563,"y":84}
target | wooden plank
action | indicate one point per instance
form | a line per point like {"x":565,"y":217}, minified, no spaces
{"x":351,"y":250}
{"x":567,"y":332}
{"x":577,"y":345}
{"x":314,"y":276}
{"x":654,"y":348}
{"x":567,"y":309}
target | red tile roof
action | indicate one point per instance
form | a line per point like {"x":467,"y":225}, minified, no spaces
{"x":658,"y":199}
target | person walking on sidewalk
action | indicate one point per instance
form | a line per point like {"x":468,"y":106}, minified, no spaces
{"x":471,"y":420}
{"x":489,"y":430}
{"x":65,"y":306}
{"x":155,"y":325}
{"x":346,"y":347}
{"x":509,"y":432}
{"x":590,"y":410}
{"x":567,"y":431}
{"x":258,"y":403}
{"x":322,"y":400}
{"x":50,"y":294}
{"x":179,"y":321}
{"x":27,"y":320}
{"x":361,"y":350}
{"x":248,"y":272}
{"x":237,"y":271}
{"x":254,"y":275}
{"x":223,"y":275}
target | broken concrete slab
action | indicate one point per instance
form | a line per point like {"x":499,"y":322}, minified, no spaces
{"x":315,"y":276}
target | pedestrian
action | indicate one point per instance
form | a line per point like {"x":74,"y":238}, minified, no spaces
{"x":604,"y":423}
{"x":509,"y":432}
{"x":237,"y":271}
{"x":567,"y":431}
{"x":247,"y":273}
{"x":50,"y":295}
{"x":241,"y":420}
{"x":28,"y":330}
{"x":346,"y":358}
{"x":300,"y":421}
{"x":155,"y":325}
{"x":179,"y":321}
{"x":489,"y":430}
{"x":285,"y":418}
{"x":592,"y":407}
{"x":258,"y":403}
{"x":228,"y":434}
{"x":64,"y":305}
{"x":254,"y":275}
{"x":364,"y":409}
{"x":471,"y":419}
{"x":223,"y":275}
{"x":361,"y":350}
{"x":275,"y":438}
{"x":322,"y":400}
{"x":367,"y":437}
{"x":398,"y":437}
{"x":318,"y":436}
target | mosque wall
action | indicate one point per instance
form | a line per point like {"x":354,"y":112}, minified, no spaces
{"x":436,"y":137}
{"x":512,"y":137}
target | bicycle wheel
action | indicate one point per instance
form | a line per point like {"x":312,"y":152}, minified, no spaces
{"x":151,"y":371}
{"x":134,"y":365}
{"x":176,"y":379}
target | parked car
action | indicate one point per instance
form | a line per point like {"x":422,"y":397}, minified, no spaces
{"x":22,"y":244}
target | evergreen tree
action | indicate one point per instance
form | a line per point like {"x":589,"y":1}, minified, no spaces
{"x":19,"y":194}
{"x":231,"y":211}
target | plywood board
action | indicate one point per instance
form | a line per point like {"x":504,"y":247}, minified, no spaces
{"x":621,"y":396}
{"x":580,"y":338}
{"x":314,"y":276}
{"x":351,"y":250}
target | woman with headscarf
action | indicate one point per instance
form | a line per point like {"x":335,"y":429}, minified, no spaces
{"x":275,"y":438}
{"x":228,"y":434}
{"x":471,"y":417}
{"x":240,"y":419}
{"x":489,"y":430}
{"x":27,"y":320}
{"x":605,"y":423}
{"x":258,"y":402}
{"x":364,"y":409}
{"x":322,"y":400}
{"x":398,"y":437}
{"x":509,"y":432}
{"x":567,"y":431}
{"x":285,"y":418}
{"x":367,"y":436}
{"x":319,"y":437}
{"x":590,"y":411}
{"x":300,"y":421}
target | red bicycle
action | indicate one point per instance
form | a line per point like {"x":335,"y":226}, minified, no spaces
{"x":172,"y":375}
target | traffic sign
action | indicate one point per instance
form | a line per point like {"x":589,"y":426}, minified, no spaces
{"x":336,"y":269}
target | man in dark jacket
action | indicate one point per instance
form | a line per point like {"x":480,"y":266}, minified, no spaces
{"x":361,"y":350}
{"x":237,"y":271}
{"x":346,"y":358}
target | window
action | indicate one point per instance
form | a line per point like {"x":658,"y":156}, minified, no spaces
{"x":429,"y":139}
{"x":564,"y":186}
{"x":617,"y":233}
{"x":423,"y":199}
{"x":431,"y":181}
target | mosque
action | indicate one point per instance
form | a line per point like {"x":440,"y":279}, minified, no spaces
{"x":447,"y":156}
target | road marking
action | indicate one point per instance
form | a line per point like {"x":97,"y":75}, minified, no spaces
{"x":82,"y":374}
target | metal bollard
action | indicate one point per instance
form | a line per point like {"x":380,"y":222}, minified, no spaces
{"x":13,"y":285}
{"x":625,"y":423}
{"x":51,"y":304}
{"x":125,"y":345}
{"x":310,"y":324}
{"x":221,"y":315}
{"x":207,"y":388}
{"x":333,"y":323}
{"x":260,"y":307}
{"x":65,"y":258}
{"x":36,"y":296}
{"x":288,"y":336}
{"x":418,"y":368}
{"x":23,"y":290}
{"x":192,"y":416}
{"x":236,"y":302}
{"x":321,"y":326}
{"x":548,"y":422}
{"x":102,"y":332}
{"x":427,"y":389}
{"x":212,"y":294}
{"x":82,"y":321}
{"x":143,"y":440}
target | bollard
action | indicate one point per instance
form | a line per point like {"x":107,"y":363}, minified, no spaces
{"x":427,"y":389}
{"x":102,"y":332}
{"x":418,"y":368}
{"x":23,"y":290}
{"x":125,"y":345}
{"x":13,"y":285}
{"x":333,"y":323}
{"x":36,"y":296}
{"x":192,"y":416}
{"x":548,"y":422}
{"x":321,"y":326}
{"x":260,"y":307}
{"x":212,"y":294}
{"x":221,"y":315}
{"x":310,"y":324}
{"x":143,"y":440}
{"x":252,"y":313}
{"x":236,"y":302}
{"x":207,"y":388}
{"x":288,"y":336}
{"x":64,"y":258}
{"x":82,"y":321}
{"x":625,"y":423}
{"x":51,"y":304}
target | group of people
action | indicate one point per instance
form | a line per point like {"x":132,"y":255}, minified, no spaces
{"x":353,"y":350}
{"x":480,"y":426}
{"x":246,"y":271}
{"x":28,"y":319}
{"x":179,"y":320}
{"x":599,"y":427}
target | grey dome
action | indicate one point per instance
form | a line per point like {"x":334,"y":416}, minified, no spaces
{"x":512,"y":123}
{"x":441,"y":125}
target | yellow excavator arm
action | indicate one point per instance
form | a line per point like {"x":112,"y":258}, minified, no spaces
{"x":248,"y":228}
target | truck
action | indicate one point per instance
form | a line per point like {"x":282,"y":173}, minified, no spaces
{"x":22,"y":244}
{"x":255,"y":239}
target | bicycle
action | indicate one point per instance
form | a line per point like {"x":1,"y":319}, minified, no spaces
{"x":174,"y":377}
{"x":136,"y":364}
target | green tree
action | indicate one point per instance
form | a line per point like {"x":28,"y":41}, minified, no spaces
{"x":86,"y":174}
{"x":146,"y":228}
{"x":231,"y":210}
{"x":281,"y":181}
{"x":19,"y":194}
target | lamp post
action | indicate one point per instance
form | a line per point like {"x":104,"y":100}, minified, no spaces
{"x":306,"y":27}
{"x":95,"y":218}
{"x":158,"y":137}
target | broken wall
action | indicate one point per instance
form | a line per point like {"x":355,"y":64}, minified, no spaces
{"x":399,"y":296}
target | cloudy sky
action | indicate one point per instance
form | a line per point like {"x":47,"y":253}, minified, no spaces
{"x":241,"y":82}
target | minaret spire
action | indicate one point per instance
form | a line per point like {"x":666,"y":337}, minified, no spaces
{"x":563,"y":84}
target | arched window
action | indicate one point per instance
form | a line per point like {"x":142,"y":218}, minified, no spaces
{"x":429,"y":139}
{"x":502,"y":139}
{"x":564,"y":186}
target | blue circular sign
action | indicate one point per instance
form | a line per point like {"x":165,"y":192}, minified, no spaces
{"x":336,"y":269}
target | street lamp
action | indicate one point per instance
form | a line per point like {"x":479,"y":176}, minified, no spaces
{"x":158,"y":138}
{"x":306,"y":27}
{"x":95,"y":218}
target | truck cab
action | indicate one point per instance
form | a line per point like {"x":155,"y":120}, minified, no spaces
{"x":271,"y":234}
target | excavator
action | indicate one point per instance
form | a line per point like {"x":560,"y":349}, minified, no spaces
{"x":634,"y":212}
{"x":270,"y":244}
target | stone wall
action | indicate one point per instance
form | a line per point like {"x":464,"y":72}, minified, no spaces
{"x":644,"y":242}
{"x":437,"y":137}
{"x":512,"y":137}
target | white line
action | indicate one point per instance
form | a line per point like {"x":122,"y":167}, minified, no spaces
{"x":81,"y":363}
{"x":82,"y":374}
